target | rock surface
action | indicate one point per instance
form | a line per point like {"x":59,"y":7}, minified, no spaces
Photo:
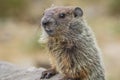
{"x":13,"y":72}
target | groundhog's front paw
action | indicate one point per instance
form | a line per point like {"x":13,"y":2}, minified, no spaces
{"x":66,"y":78}
{"x":48,"y":74}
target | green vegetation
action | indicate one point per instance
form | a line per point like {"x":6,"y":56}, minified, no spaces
{"x":33,"y":45}
{"x":116,"y":29}
{"x":115,"y":7}
{"x":11,"y":7}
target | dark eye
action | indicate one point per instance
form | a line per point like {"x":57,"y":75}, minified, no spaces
{"x":62,"y":15}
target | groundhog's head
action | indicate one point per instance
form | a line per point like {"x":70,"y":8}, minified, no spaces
{"x":56,"y":20}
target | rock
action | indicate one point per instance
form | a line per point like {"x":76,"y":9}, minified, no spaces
{"x":13,"y":72}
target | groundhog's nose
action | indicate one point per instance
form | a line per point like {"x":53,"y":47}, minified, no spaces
{"x":45,"y":23}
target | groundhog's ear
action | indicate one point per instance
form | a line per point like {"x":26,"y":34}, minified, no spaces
{"x":78,"y":12}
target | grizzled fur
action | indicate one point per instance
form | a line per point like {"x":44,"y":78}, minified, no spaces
{"x":73,"y":49}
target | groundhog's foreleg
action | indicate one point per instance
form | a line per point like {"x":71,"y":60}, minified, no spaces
{"x":50,"y":72}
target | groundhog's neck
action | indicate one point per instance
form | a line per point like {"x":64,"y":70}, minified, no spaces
{"x":78,"y":30}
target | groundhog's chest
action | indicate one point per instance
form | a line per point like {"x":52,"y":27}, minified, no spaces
{"x":61,"y":47}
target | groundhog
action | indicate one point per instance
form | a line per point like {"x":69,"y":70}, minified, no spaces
{"x":74,"y":52}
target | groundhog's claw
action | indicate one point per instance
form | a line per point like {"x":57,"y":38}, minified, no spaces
{"x":48,"y":74}
{"x":65,"y":78}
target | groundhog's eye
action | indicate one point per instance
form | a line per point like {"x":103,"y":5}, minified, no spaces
{"x":62,"y":15}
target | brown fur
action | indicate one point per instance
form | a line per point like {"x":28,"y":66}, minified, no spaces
{"x":72,"y":45}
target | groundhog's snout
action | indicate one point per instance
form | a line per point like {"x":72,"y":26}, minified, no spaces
{"x":45,"y":22}
{"x":48,"y":25}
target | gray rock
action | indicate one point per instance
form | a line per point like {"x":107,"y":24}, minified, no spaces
{"x":12,"y":72}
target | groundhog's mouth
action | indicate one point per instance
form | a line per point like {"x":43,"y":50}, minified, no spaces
{"x":49,"y":32}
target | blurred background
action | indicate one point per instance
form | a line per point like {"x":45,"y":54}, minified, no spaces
{"x":20,"y":31}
